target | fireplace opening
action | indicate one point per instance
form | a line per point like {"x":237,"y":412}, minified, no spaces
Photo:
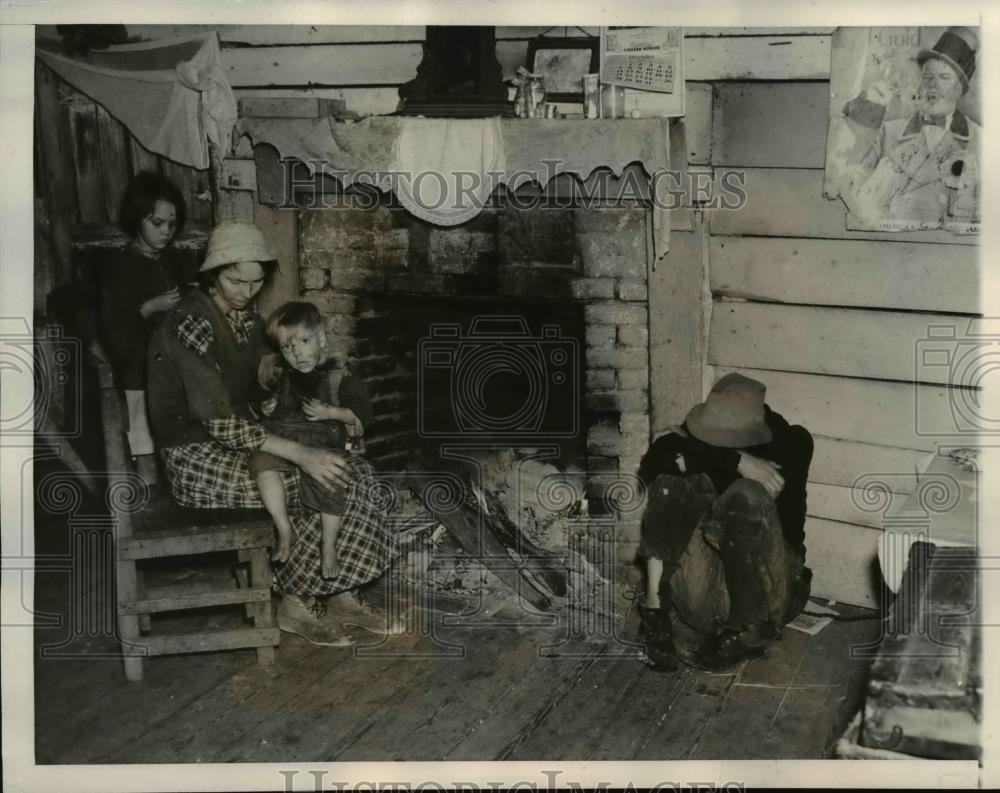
{"x":521,"y":328}
{"x":488,"y":371}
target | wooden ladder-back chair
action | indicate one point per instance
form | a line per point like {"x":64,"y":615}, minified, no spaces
{"x":155,"y":527}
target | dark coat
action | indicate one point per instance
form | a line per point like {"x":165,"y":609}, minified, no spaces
{"x":129,"y":279}
{"x":186,"y":388}
{"x":790,"y":447}
{"x":328,"y":383}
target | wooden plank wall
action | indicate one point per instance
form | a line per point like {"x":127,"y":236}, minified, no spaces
{"x":828,"y":319}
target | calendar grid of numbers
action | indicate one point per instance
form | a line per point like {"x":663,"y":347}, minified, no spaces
{"x":648,"y":72}
{"x":648,"y":59}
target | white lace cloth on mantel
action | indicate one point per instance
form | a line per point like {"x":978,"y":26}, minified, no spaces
{"x":443,"y":170}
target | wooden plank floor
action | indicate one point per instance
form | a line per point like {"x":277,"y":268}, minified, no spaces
{"x":505,"y":688}
{"x":506,"y":693}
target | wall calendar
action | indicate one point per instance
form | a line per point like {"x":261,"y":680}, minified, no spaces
{"x":650,"y":59}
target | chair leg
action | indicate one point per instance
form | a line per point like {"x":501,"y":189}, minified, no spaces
{"x":128,"y":624}
{"x":243,"y":577}
{"x":128,"y":633}
{"x":133,"y":668}
{"x":262,"y":613}
{"x":69,"y":456}
{"x":145,"y":623}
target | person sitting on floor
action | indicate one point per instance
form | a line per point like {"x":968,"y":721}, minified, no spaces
{"x":317,"y":403}
{"x":723,"y":531}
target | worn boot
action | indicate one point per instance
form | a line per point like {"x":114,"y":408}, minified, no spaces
{"x":798,"y":595}
{"x":731,"y":646}
{"x":658,"y":640}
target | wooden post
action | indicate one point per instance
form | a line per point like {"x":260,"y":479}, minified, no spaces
{"x":140,"y":159}
{"x":57,"y":172}
{"x":260,"y":576}
{"x":46,"y":264}
{"x":677,"y":338}
{"x":86,"y":159}
{"x":280,"y":227}
{"x":191,"y":183}
{"x":214,"y":180}
{"x":115,"y":175}
{"x":227,"y":204}
{"x":126,"y":580}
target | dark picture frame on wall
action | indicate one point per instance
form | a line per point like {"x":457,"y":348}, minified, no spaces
{"x":562,"y":63}
{"x":458,"y":76}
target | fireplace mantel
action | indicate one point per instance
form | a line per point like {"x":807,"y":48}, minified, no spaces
{"x":533,"y":150}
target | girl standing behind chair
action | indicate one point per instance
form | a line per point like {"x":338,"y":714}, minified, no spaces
{"x":140,"y":284}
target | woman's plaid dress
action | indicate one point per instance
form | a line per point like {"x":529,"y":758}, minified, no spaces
{"x":213,"y":473}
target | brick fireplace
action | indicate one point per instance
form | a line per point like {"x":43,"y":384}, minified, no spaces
{"x":386,"y":280}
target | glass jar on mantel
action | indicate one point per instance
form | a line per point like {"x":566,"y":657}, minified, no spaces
{"x":529,"y":102}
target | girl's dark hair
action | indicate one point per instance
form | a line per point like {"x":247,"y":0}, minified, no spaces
{"x":139,"y":201}
{"x":208,"y":278}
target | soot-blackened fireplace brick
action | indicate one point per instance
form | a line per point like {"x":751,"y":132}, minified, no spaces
{"x":384,"y":278}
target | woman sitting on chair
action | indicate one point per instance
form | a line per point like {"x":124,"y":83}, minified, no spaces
{"x":203,"y":378}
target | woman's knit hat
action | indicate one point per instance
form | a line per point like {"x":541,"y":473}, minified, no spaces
{"x":236,"y":241}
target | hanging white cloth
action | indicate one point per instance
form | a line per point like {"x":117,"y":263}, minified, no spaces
{"x":445,"y":169}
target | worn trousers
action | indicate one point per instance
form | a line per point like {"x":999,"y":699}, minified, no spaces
{"x":725,"y":560}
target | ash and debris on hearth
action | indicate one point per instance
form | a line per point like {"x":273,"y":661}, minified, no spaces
{"x":529,"y":527}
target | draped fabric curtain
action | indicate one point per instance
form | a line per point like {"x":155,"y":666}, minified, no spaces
{"x":171,"y":94}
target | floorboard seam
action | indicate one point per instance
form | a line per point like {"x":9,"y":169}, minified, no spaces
{"x":627,"y":691}
{"x":181,"y":704}
{"x":597,"y":731}
{"x":681,"y":684}
{"x":319,"y":672}
{"x":380,"y":710}
{"x":803,"y":686}
{"x":730,"y":687}
{"x":547,"y":707}
{"x":498,"y":702}
{"x":774,"y":716}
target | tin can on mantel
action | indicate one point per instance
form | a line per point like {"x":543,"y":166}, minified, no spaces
{"x":591,"y":96}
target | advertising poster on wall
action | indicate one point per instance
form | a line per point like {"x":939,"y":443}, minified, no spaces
{"x":903,"y":145}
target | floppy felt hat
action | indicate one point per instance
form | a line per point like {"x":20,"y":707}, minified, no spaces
{"x":235,"y":241}
{"x":733,"y":414}
{"x":956,"y":47}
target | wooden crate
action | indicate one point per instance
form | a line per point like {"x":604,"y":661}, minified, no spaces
{"x":925,"y":690}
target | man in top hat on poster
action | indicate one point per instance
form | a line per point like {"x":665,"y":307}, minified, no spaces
{"x":723,"y":533}
{"x":921,"y":171}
